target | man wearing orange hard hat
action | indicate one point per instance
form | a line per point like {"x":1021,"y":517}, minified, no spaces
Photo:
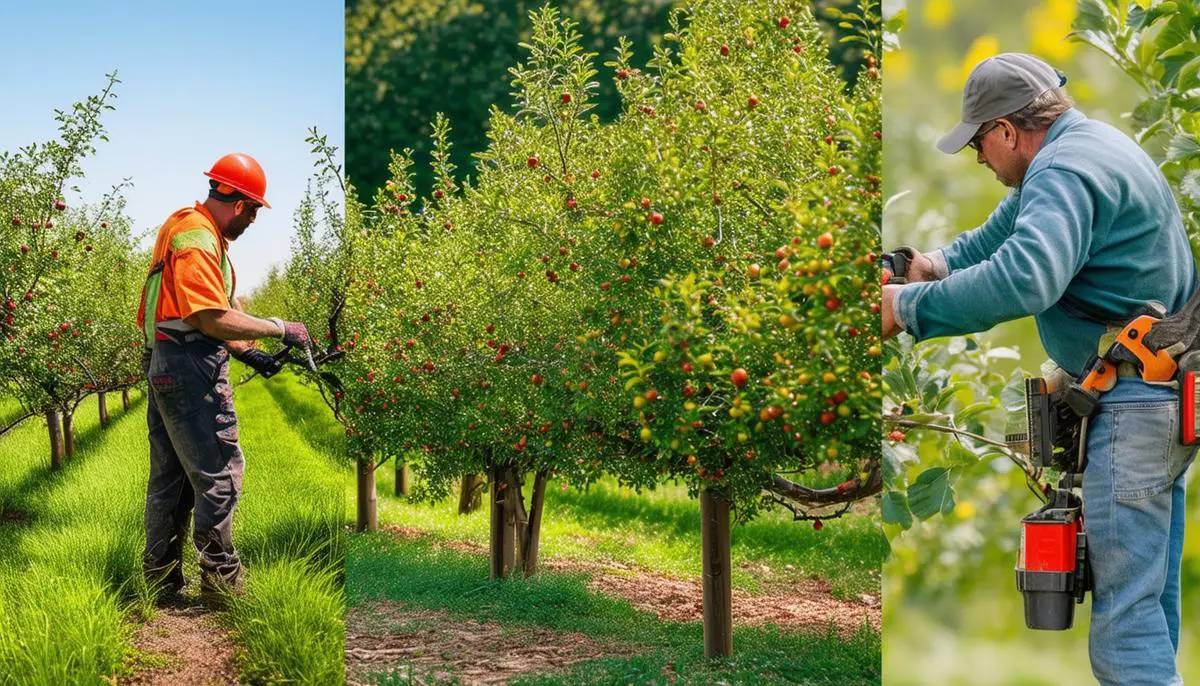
{"x":191,"y":329}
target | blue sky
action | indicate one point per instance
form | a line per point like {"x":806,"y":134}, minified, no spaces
{"x":199,"y":79}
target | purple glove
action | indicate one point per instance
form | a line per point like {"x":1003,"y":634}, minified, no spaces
{"x":294,"y":334}
{"x":260,"y":362}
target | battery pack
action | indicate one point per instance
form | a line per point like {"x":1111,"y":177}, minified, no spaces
{"x":1188,"y":405}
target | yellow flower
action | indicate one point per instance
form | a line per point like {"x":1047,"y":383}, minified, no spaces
{"x":983,"y":48}
{"x":896,"y":64}
{"x":964,"y":510}
{"x":938,"y":13}
{"x":1048,"y":26}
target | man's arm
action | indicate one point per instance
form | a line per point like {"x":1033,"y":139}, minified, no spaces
{"x":233,"y":325}
{"x":1026,"y":275}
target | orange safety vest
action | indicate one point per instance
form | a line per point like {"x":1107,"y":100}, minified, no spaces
{"x":190,"y":271}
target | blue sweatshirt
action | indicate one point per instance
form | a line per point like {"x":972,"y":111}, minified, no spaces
{"x":1091,"y":234}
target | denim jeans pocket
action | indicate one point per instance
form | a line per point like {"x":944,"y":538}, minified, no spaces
{"x":1143,"y":445}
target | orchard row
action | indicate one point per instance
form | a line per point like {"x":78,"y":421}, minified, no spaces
{"x":70,"y":280}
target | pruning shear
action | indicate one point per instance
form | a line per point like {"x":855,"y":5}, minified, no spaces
{"x":895,"y":265}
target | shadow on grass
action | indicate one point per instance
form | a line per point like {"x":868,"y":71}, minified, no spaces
{"x":25,"y":494}
{"x":414,"y":572}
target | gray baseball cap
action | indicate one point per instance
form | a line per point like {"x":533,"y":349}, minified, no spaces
{"x":997,"y":87}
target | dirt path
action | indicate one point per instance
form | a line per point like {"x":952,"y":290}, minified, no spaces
{"x":802,"y":604}
{"x":184,"y":646}
{"x":423,"y":646}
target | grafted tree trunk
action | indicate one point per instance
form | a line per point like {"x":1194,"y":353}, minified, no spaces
{"x":717,"y":581}
{"x":368,"y":519}
{"x":68,"y":431}
{"x":102,"y":401}
{"x":56,"y":443}
{"x":515,"y":533}
{"x":533,"y":528}
{"x":501,"y":548}
{"x":470,"y":493}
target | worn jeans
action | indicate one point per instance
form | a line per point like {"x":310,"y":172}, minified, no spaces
{"x":1133,"y":503}
{"x":195,"y":461}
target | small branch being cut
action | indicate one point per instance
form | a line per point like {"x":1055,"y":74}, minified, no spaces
{"x":1016,"y":458}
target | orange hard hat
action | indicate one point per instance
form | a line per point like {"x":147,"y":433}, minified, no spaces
{"x":244,"y":174}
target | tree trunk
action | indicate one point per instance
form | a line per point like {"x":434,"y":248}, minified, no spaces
{"x":503,"y":552}
{"x":718,"y":593}
{"x":124,"y":399}
{"x":56,"y":445}
{"x":401,"y":477}
{"x":533,"y":528}
{"x":102,"y":399}
{"x":68,"y":430}
{"x":470,"y":493}
{"x":368,"y":519}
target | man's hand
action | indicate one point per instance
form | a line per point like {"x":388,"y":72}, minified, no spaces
{"x":890,"y":327}
{"x":259,"y":361}
{"x":296,"y":334}
{"x":920,"y":268}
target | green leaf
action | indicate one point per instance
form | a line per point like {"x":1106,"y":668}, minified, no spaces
{"x":931,"y":493}
{"x":1003,"y":354}
{"x":973,"y":410}
{"x":961,"y":456}
{"x":948,"y":393}
{"x":1183,"y":147}
{"x":1013,"y":393}
{"x":1188,"y":77}
{"x":1091,"y":15}
{"x":894,"y":458}
{"x":894,"y":509}
{"x":910,"y":379}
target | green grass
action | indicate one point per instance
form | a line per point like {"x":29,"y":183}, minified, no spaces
{"x":417,"y":574}
{"x":658,"y":531}
{"x":70,"y":566}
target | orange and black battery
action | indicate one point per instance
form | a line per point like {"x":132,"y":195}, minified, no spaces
{"x":1052,"y":566}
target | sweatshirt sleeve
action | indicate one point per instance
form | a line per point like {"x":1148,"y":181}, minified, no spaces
{"x":1027,"y":272}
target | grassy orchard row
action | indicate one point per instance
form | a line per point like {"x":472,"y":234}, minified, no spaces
{"x":59,"y":341}
{"x":682,"y":294}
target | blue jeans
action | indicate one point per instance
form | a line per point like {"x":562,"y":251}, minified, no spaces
{"x":1133,"y":503}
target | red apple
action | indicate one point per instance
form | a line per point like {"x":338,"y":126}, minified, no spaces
{"x":739,"y":377}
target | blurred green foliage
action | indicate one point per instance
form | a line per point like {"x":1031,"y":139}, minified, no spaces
{"x":407,"y":60}
{"x":952,"y":611}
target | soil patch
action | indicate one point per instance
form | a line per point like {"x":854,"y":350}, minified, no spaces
{"x":14,"y":517}
{"x":805,"y":604}
{"x":413,"y":533}
{"x":183,"y":646}
{"x":422,"y":646}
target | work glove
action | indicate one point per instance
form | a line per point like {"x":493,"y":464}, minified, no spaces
{"x":296,"y":335}
{"x":260,"y":362}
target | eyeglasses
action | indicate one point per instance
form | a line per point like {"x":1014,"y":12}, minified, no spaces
{"x":977,"y":142}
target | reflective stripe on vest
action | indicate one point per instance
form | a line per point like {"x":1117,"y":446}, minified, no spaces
{"x":202,"y":239}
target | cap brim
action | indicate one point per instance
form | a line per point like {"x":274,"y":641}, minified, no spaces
{"x":958,"y":138}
